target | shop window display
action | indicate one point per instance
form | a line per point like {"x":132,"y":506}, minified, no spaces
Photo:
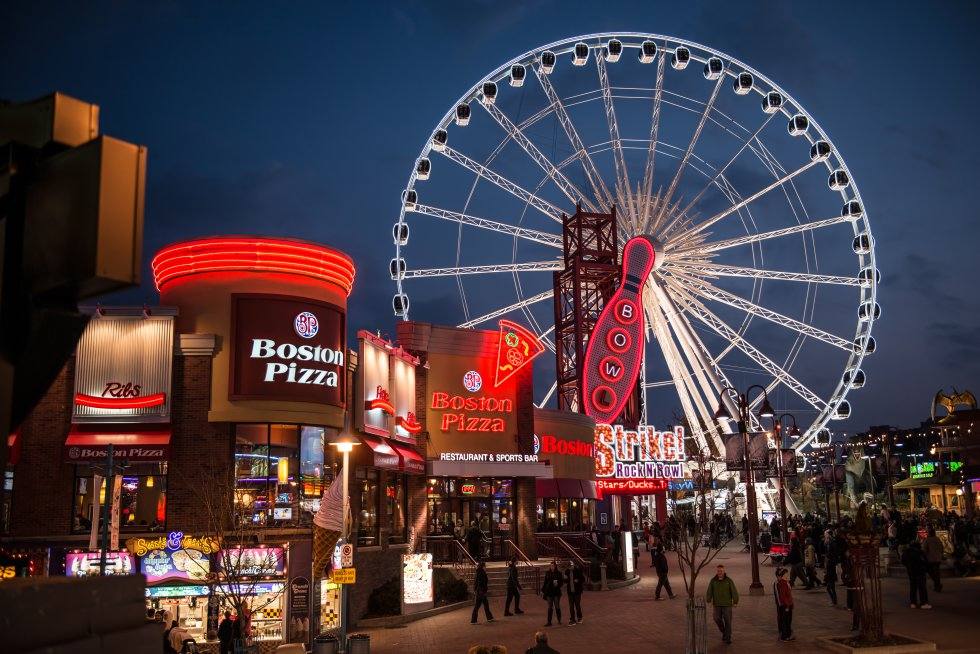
{"x":142,"y":498}
{"x":281,"y":472}
{"x":366,"y":491}
{"x":565,"y":514}
{"x":456,"y":505}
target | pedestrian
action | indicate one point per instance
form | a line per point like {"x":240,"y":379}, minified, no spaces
{"x":474,"y":541}
{"x":575,"y":581}
{"x":551,"y":591}
{"x":540,"y":645}
{"x":513,"y":588}
{"x":933,"y":549}
{"x":481,"y":586}
{"x":830,"y":579}
{"x":723,"y":595}
{"x":916,"y":566}
{"x":226,"y":635}
{"x":617,"y":540}
{"x":660,"y":563}
{"x":782,"y":592}
{"x":810,"y":564}
{"x":795,"y":560}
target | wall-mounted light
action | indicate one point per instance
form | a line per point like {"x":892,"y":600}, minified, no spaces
{"x":149,"y":481}
{"x":283,"y":469}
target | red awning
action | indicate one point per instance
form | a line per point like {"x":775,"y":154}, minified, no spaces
{"x":569,"y":488}
{"x":546,"y":488}
{"x":411,"y":461}
{"x":130,"y":442}
{"x":565,"y":487}
{"x":384,"y":456}
{"x":588,"y":490}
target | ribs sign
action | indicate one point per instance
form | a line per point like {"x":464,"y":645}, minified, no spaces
{"x":615,"y":350}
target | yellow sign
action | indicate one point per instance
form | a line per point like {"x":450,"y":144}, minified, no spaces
{"x":344,"y":576}
{"x":173,"y":541}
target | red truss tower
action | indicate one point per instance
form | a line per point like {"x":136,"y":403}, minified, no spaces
{"x":591,"y":275}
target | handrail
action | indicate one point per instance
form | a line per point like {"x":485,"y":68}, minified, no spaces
{"x":528,"y":573}
{"x":575,"y":556}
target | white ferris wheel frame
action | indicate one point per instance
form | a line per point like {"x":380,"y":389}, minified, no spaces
{"x":704,"y":375}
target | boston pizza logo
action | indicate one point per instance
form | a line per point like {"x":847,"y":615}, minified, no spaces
{"x":306,"y":324}
{"x":537,"y":444}
{"x":472,"y":381}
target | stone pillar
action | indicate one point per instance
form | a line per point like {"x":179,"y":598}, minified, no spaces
{"x":525,"y":507}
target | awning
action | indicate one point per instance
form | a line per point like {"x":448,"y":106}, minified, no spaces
{"x":132,"y":443}
{"x":925,"y":482}
{"x":568,"y":488}
{"x":411,"y":461}
{"x":384,"y":456}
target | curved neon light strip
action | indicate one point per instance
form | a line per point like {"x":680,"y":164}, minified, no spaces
{"x":223,"y":254}
{"x":380,"y":404}
{"x":143,"y":402}
{"x":410,"y":427}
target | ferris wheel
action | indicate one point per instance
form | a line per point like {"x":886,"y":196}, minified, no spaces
{"x":765,"y":267}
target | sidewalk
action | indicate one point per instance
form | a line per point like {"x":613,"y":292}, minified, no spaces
{"x":629,"y":620}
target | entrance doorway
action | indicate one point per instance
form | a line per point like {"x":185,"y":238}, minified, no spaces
{"x":457,"y":506}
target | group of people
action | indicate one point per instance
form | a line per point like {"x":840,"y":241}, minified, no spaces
{"x":540,"y":646}
{"x":570,"y":582}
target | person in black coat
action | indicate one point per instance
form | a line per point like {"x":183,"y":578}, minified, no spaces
{"x":617,"y":543}
{"x":660,"y":563}
{"x":575,"y":583}
{"x":513,"y":588}
{"x":914,"y":560}
{"x":481,"y":586}
{"x":474,"y":541}
{"x":226,"y":634}
{"x":551,"y":591}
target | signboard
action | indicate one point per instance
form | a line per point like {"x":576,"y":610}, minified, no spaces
{"x":86,"y":564}
{"x":629,"y":486}
{"x":644,"y":454}
{"x":347,"y":555}
{"x":628,"y":561}
{"x":928,"y":469}
{"x":735,"y":451}
{"x":288,"y":349}
{"x":253,"y":561}
{"x":789,"y":463}
{"x":344,"y":576}
{"x":299,"y":597}
{"x":385,"y":394}
{"x":174,"y":557}
{"x":827,"y":474}
{"x":123,"y":368}
{"x":417,"y":594}
{"x":516,"y":347}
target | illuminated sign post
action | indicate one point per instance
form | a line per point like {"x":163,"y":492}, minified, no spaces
{"x":637,"y":462}
{"x":417,"y":592}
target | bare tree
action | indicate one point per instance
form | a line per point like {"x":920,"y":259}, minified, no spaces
{"x":241,"y":565}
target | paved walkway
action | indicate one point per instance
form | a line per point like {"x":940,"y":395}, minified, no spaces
{"x":629,"y":620}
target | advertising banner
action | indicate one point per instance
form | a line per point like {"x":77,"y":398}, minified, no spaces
{"x":114,"y":512}
{"x":789,"y":463}
{"x":96,"y":509}
{"x":735,"y":451}
{"x":288,"y":349}
{"x":86,"y":564}
{"x":642,"y":454}
{"x":417,"y":592}
{"x":373,"y":408}
{"x":253,"y":561}
{"x":123,"y":369}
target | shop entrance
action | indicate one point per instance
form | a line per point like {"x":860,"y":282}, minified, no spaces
{"x":476,"y":512}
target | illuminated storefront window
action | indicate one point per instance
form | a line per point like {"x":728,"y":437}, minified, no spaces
{"x":565,"y":514}
{"x":396,"y":508}
{"x":142,"y":498}
{"x":366,"y":492}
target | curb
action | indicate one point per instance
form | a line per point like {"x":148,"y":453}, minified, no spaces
{"x":396,"y":620}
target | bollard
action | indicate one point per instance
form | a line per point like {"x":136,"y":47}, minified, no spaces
{"x":603,"y":583}
{"x":326,"y":644}
{"x":358,"y":644}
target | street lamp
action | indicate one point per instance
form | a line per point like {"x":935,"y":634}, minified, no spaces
{"x":345,"y":444}
{"x":741,"y":405}
{"x":794,"y":432}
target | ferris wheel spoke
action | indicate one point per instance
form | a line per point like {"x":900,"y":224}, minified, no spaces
{"x":496,"y":313}
{"x":763,"y":236}
{"x":700,"y":227}
{"x":530,"y":266}
{"x":602,"y":195}
{"x":650,"y":167}
{"x":545,"y":207}
{"x":705,"y":289}
{"x":716,"y":270}
{"x":547,"y":396}
{"x":623,"y":190}
{"x":668,"y":196}
{"x":544,"y":238}
{"x":720,"y":172}
{"x":572,"y":192}
{"x":699,"y":311}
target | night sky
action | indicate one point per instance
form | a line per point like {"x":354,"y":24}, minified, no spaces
{"x":304,"y":119}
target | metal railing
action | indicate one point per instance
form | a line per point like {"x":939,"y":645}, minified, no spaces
{"x":528,"y":573}
{"x":451,"y":551}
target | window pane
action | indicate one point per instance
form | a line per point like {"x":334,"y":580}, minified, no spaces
{"x":284,"y":473}
{"x":367,"y":522}
{"x":252,"y":472}
{"x":142,"y":498}
{"x":395,"y":508}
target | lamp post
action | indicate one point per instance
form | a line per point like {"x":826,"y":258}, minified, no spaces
{"x":794,"y":432}
{"x":344,"y":444}
{"x":834,"y":454}
{"x":887,"y":447}
{"x":765,"y":411}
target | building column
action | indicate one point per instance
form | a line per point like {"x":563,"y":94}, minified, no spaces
{"x":525,"y":507}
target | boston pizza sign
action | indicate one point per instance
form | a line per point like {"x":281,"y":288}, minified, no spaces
{"x":287,"y":349}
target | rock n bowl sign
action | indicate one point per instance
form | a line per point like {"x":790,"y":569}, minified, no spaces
{"x":627,"y":460}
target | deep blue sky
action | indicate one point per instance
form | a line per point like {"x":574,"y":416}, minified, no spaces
{"x":303,"y":119}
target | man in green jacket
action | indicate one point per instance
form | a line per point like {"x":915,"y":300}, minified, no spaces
{"x":723,"y":595}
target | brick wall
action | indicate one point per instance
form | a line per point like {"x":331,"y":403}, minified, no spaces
{"x":524,"y":496}
{"x":42,"y":496}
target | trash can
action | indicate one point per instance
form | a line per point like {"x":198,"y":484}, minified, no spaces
{"x":326,"y":644}
{"x":359,"y":644}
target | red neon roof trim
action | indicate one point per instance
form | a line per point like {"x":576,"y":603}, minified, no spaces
{"x":142,"y":402}
{"x":253,"y":254}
